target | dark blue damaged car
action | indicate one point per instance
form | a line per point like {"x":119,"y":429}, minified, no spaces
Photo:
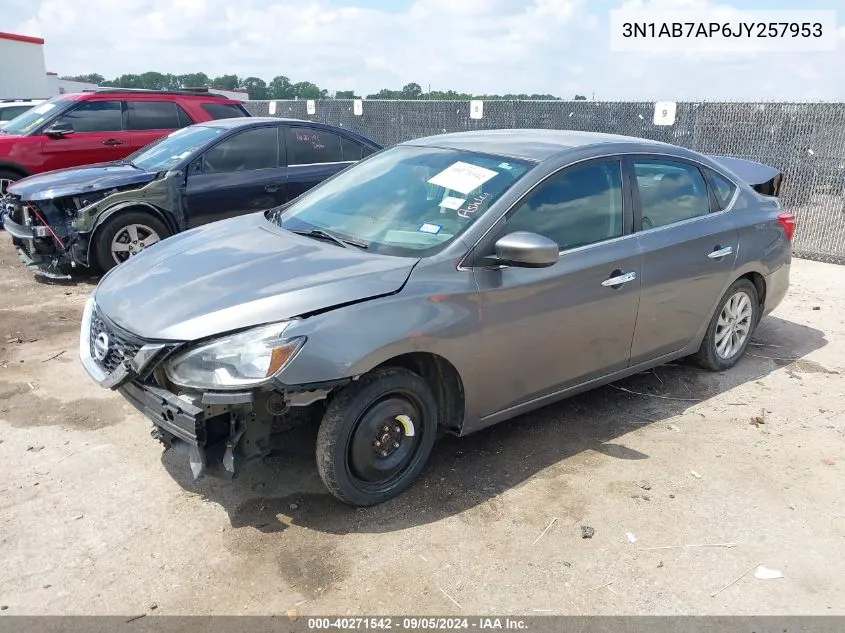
{"x":98,"y":216}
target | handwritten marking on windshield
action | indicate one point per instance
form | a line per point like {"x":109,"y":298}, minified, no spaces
{"x":473,"y":206}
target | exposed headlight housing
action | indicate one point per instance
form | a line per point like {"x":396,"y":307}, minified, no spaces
{"x":236,"y":361}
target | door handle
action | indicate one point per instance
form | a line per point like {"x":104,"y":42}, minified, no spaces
{"x":273,"y":188}
{"x":112,"y":141}
{"x":618,"y":280}
{"x":719,"y":253}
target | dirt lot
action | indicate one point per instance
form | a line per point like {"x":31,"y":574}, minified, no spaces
{"x":95,"y":519}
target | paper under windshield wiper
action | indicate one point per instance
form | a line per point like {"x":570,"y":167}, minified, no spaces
{"x":345,"y":242}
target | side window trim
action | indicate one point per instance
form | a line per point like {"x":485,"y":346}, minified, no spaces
{"x":181,"y":114}
{"x":709,"y":173}
{"x":635,"y":189}
{"x":282,"y":140}
{"x":627,"y":206}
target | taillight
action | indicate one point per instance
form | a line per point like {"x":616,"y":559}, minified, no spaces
{"x":787,"y":221}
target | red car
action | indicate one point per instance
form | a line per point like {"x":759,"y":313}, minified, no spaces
{"x":101,"y":126}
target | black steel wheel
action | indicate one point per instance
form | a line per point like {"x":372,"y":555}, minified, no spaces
{"x":376,"y":435}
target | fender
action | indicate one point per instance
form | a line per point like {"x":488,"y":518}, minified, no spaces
{"x":107,"y":213}
{"x":120,"y":206}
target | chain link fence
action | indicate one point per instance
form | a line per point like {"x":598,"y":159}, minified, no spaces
{"x":804,"y":140}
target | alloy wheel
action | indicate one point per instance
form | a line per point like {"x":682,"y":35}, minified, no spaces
{"x":131,"y":240}
{"x":734,"y":325}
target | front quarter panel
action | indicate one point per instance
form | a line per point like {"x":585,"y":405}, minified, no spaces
{"x":435,"y":312}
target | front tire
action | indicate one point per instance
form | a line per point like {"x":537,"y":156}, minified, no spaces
{"x":730,"y":328}
{"x":376,"y":436}
{"x":124,"y":235}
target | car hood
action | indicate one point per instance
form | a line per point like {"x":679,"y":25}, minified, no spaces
{"x":239,"y":273}
{"x":79,"y":180}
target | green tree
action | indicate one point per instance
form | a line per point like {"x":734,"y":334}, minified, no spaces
{"x":156,"y":81}
{"x":411,"y":91}
{"x":92,"y":78}
{"x":126,"y":81}
{"x":193,"y":80}
{"x":226,"y":82}
{"x":257,"y":88}
{"x":580,"y":98}
{"x":280,"y":88}
{"x":346,"y":94}
{"x":385,"y":93}
{"x":308,"y":90}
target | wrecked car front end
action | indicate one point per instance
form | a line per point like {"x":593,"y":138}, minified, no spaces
{"x":210,"y":363}
{"x":219,"y":429}
{"x":52,"y":225}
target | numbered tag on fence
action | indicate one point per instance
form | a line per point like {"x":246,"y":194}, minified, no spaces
{"x":311,"y":106}
{"x":272,"y":107}
{"x":358,"y":107}
{"x":476,"y":109}
{"x":664,"y":112}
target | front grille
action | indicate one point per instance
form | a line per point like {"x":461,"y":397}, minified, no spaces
{"x":121,"y":345}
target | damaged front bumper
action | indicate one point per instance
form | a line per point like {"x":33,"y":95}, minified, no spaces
{"x":219,"y":430}
{"x":212,"y":442}
{"x":41,"y":247}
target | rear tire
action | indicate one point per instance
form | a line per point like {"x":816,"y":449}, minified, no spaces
{"x":113,"y":242}
{"x":366,"y":454}
{"x":730,"y":329}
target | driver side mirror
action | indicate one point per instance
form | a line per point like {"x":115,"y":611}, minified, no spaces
{"x":526,"y":250}
{"x":59,"y":129}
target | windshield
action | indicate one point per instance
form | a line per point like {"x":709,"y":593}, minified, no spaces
{"x":29,"y":120}
{"x":407,"y":201}
{"x":172,"y":149}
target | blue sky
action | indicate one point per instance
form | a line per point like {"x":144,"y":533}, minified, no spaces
{"x":481,"y":46}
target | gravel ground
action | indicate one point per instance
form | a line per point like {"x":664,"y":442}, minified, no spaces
{"x":94,"y":519}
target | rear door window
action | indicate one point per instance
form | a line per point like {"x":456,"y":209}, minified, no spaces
{"x":156,"y":115}
{"x":670,"y":191}
{"x":308,"y":145}
{"x":95,"y":116}
{"x":252,"y":149}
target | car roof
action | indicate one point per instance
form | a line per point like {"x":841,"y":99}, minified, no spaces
{"x":110,"y":94}
{"x":254,"y":121}
{"x":529,"y":144}
{"x":257,"y":120}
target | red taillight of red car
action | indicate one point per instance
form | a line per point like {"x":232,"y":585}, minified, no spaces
{"x":787,"y":221}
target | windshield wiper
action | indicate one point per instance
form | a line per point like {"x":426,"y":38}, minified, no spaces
{"x":325,"y":235}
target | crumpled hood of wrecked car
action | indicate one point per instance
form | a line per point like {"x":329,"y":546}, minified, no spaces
{"x":79,"y":180}
{"x":238,"y":273}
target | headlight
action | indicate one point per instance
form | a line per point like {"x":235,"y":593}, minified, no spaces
{"x":240,"y":360}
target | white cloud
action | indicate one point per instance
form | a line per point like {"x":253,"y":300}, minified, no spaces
{"x":481,"y":46}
